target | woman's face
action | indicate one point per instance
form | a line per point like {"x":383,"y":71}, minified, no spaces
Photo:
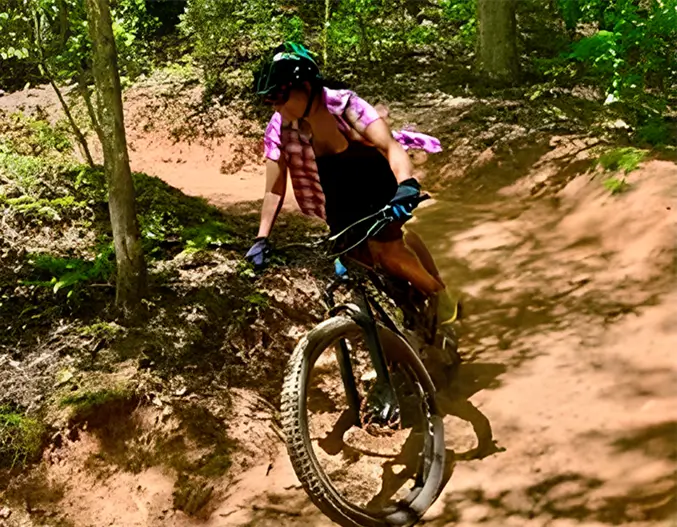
{"x":295,"y":106}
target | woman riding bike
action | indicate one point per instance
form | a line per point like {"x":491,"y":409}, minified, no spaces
{"x":344,"y":164}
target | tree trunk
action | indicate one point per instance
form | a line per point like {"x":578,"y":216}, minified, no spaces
{"x":497,"y":41}
{"x":131,"y":267}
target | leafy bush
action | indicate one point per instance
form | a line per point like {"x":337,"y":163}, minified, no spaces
{"x":360,"y":39}
{"x":626,"y":159}
{"x":50,"y":38}
{"x":43,"y":209}
{"x":629,"y":51}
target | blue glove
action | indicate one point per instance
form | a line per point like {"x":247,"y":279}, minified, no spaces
{"x":259,"y":253}
{"x":339,"y":269}
{"x":405,"y":199}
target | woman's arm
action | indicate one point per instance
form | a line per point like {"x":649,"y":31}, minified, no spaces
{"x":378,"y":133}
{"x":276,"y":187}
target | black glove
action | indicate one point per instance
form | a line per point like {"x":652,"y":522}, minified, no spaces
{"x":259,"y":253}
{"x":406,"y":198}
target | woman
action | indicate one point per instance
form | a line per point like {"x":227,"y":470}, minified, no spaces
{"x":344,"y":164}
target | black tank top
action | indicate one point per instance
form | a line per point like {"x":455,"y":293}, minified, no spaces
{"x":356,"y":183}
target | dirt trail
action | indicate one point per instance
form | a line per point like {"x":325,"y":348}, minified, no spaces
{"x":565,"y":411}
{"x":572,"y":329}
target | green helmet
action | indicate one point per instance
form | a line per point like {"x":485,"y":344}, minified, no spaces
{"x":289,"y":66}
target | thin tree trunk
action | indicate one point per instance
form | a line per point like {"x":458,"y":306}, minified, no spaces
{"x":131,"y":268}
{"x":87,"y":97}
{"x":497,"y":41}
{"x":365,"y":43}
{"x":44,"y":69}
{"x":325,"y":32}
{"x":82,"y":140}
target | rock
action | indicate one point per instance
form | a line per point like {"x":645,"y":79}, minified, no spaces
{"x":63,"y":377}
{"x":5,"y":512}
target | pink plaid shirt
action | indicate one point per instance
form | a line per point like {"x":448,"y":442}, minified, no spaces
{"x":353,"y":116}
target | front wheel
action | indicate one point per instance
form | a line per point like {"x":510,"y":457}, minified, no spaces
{"x":356,"y":472}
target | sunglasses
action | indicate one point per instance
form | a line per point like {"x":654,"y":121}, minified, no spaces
{"x":279,"y":97}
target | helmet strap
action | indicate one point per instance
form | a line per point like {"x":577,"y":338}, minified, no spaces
{"x":311,"y":99}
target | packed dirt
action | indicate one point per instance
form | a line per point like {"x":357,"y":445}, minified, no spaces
{"x":564,"y":412}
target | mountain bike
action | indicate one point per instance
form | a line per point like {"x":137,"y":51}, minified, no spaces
{"x":359,"y":416}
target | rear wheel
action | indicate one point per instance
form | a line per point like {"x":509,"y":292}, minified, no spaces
{"x":357,"y":471}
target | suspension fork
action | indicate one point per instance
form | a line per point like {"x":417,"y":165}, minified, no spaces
{"x":343,"y":358}
{"x":368,"y":323}
{"x":383,"y":400}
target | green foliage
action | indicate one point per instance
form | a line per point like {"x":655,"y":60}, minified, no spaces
{"x":43,"y":209}
{"x":616,"y":185}
{"x":655,"y":131}
{"x":630,"y":53}
{"x":48,"y":138}
{"x":32,"y":135}
{"x":25,"y":170}
{"x":211,"y":233}
{"x":257,"y":302}
{"x":71,"y":274}
{"x":461,"y":19}
{"x":51,"y":37}
{"x":167,"y":217}
{"x":21,"y":438}
{"x":626,"y":159}
{"x":30,"y":151}
{"x":230,"y":36}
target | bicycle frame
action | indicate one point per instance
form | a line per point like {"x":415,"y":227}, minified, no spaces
{"x":364,"y":317}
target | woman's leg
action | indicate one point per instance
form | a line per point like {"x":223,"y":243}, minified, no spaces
{"x":416,"y":244}
{"x":398,"y":260}
{"x":448,"y":308}
{"x":408,"y":258}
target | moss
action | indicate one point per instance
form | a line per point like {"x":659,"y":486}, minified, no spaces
{"x":97,"y":408}
{"x":21,"y":438}
{"x":107,"y":331}
{"x":92,"y":399}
